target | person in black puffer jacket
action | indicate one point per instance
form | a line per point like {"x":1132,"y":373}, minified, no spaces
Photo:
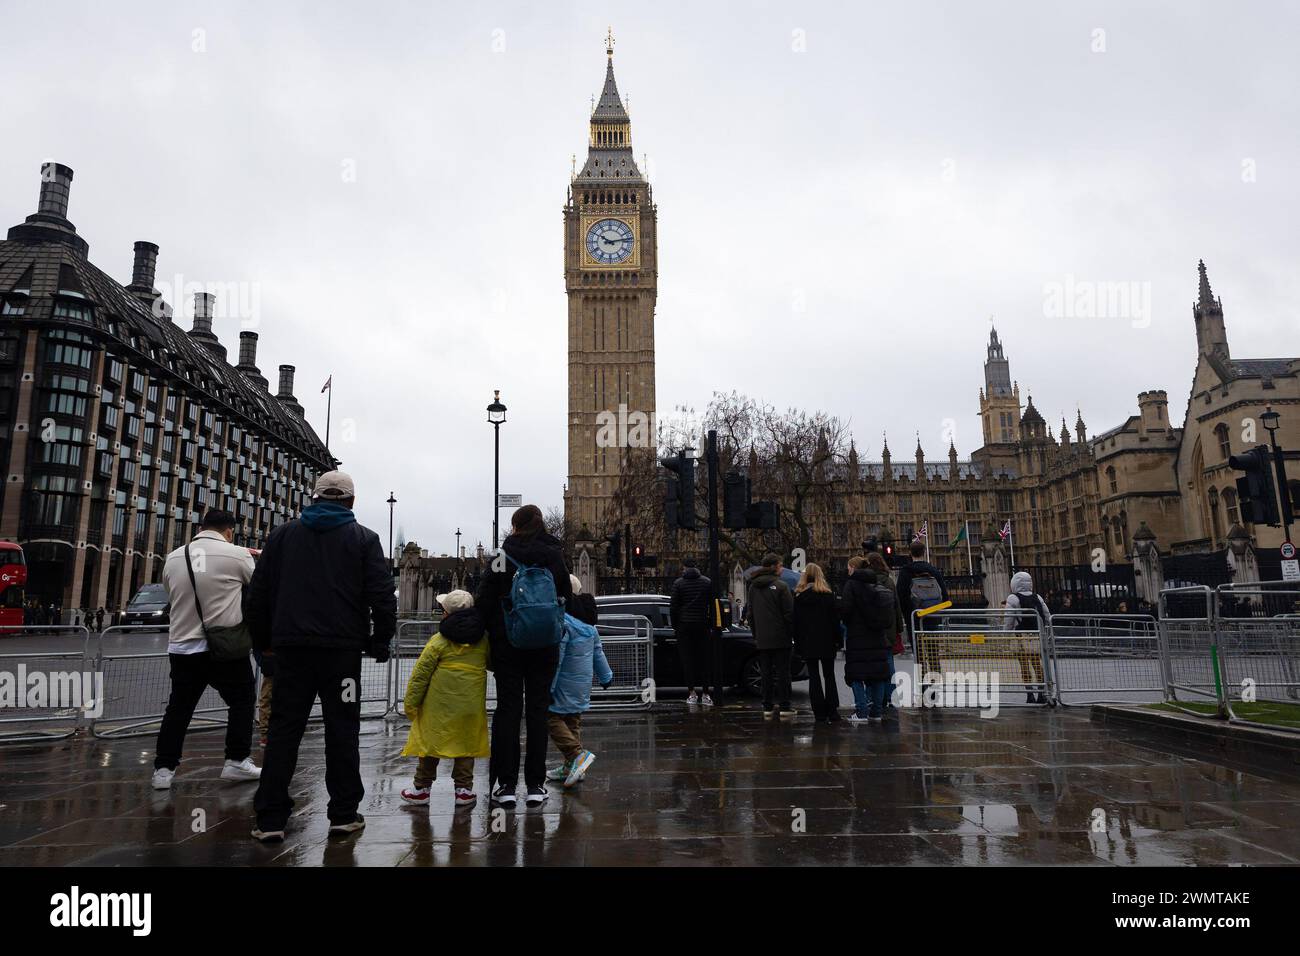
{"x":817,"y":639}
{"x":691,"y":613}
{"x":523,"y":677}
{"x":869,"y":609}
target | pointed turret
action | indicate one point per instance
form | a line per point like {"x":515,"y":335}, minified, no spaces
{"x":1211,"y":336}
{"x":1080,"y":429}
{"x":609,"y":156}
{"x":888,"y":474}
{"x":1065,"y":432}
{"x":920,"y":459}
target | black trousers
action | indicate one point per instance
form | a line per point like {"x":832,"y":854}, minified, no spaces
{"x":693,"y":648}
{"x":191,"y":675}
{"x":301,"y":675}
{"x":523,"y":680}
{"x":825,"y":703}
{"x":775,"y":666}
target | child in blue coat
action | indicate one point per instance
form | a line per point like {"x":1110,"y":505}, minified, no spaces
{"x":581,"y":656}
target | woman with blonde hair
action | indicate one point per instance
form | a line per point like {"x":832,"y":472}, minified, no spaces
{"x":817,"y":640}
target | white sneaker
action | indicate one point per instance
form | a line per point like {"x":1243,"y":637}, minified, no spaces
{"x":416,"y":796}
{"x":692,"y":698}
{"x":242,"y":770}
{"x":581,"y":764}
{"x":706,"y":700}
{"x":465,"y":797}
{"x":162,"y":778}
{"x":556,"y":774}
{"x":855,"y":719}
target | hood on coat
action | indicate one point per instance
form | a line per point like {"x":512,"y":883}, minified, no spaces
{"x":531,"y":549}
{"x":764,"y":578}
{"x":690,"y":574}
{"x":865,"y":575}
{"x":326,"y":516}
{"x":1022,"y":583}
{"x":923,"y":567}
{"x":463,"y":627}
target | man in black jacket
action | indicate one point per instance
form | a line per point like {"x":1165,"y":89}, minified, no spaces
{"x":920,"y":585}
{"x":691,"y":614}
{"x":771,"y":616}
{"x":320,"y":586}
{"x":521,"y":675}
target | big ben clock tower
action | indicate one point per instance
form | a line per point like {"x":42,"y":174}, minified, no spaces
{"x":611,"y":276}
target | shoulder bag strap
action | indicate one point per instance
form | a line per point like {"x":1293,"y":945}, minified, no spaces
{"x":198,"y":605}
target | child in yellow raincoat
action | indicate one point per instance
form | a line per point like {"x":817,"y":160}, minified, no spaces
{"x":446,"y":700}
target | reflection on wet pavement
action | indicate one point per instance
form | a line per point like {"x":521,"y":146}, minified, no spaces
{"x":689,"y":788}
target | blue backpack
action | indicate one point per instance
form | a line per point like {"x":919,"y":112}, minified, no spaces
{"x":536,"y":616}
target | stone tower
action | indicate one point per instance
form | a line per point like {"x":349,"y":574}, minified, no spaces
{"x":611,"y":277}
{"x":1000,"y":398}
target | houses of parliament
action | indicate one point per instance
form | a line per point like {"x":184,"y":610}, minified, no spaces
{"x":1067,"y":494}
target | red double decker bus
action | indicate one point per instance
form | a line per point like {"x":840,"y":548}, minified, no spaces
{"x":13,"y":585}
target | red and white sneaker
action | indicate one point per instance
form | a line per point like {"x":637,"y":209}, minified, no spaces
{"x":465,"y":797}
{"x":418,"y":796}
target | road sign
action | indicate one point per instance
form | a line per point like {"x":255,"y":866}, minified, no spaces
{"x":1288,"y":550}
{"x":510,"y":501}
{"x":1291,"y":570}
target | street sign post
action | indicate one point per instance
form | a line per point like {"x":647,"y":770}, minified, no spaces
{"x":510,"y":501}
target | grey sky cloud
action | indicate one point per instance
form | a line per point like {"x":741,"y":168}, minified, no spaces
{"x":836,"y":225}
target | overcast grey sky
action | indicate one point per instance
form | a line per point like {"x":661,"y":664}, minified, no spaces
{"x":846,"y":193}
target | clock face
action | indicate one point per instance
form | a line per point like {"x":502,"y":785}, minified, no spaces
{"x":609,"y":241}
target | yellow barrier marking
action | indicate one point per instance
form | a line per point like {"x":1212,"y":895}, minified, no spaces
{"x":941,"y":606}
{"x":977,"y":638}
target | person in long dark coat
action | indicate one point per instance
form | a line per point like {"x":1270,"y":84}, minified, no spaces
{"x":817,"y":639}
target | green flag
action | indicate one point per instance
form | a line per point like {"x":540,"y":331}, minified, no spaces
{"x":961,"y":536}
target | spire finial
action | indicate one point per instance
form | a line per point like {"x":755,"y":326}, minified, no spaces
{"x":1205,"y":296}
{"x":609,"y":42}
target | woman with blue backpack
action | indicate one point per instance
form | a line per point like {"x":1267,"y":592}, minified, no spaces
{"x":582,"y":660}
{"x":522,"y":598}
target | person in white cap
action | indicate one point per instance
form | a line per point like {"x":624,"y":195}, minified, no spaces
{"x":446,"y":701}
{"x":322,"y":595}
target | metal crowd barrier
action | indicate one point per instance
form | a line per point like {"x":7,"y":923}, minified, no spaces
{"x":1106,"y":658}
{"x":137,"y":687}
{"x":39,"y":672}
{"x":1258,"y":632}
{"x":956,"y":643}
{"x":629,"y":644}
{"x":1188,"y":648}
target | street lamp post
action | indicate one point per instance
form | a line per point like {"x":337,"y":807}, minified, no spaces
{"x":496,"y":413}
{"x":458,"y":544}
{"x":1270,"y":420}
{"x":392,"y":500}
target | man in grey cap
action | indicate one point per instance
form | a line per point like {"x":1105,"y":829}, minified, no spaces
{"x":322,"y":595}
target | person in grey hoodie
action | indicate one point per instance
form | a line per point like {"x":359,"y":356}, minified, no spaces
{"x":1036,"y":615}
{"x":771,"y":614}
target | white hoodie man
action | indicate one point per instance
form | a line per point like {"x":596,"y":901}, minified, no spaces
{"x":1022,"y":597}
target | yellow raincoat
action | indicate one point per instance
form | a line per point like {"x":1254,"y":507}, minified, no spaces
{"x":446,"y":700}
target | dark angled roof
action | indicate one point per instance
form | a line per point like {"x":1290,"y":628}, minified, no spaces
{"x":1031,"y":415}
{"x":1262,"y":368}
{"x":605,"y":163}
{"x":47,"y":260}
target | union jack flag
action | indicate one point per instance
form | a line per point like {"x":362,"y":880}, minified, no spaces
{"x":921,"y":534}
{"x":1006,"y":530}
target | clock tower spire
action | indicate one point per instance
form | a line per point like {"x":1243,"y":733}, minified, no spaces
{"x":611,"y":277}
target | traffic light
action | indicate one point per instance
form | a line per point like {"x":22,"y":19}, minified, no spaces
{"x":638,"y":557}
{"x":679,"y":499}
{"x":764,"y":514}
{"x":613,"y":550}
{"x":735,"y":500}
{"x":1256,"y":490}
{"x":888,"y":551}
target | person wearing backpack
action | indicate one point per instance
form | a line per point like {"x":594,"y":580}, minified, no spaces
{"x":523,"y":596}
{"x":1034,"y":616}
{"x":870,"y":609}
{"x":582,"y":659}
{"x":920,"y":585}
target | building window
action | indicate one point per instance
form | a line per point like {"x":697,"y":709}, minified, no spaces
{"x":1230,"y":506}
{"x":938,"y":503}
{"x":972,"y":501}
{"x":1225,"y":442}
{"x":1006,"y":504}
{"x":905,"y":504}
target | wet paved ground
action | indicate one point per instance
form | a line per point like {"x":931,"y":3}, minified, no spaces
{"x":675,"y":787}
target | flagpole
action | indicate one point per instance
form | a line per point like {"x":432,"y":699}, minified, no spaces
{"x":970,"y":560}
{"x":1011,"y":539}
{"x":927,"y":542}
{"x":329,"y":406}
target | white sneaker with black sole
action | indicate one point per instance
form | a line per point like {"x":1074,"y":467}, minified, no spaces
{"x":162,"y":778}
{"x":504,"y":797}
{"x":536,"y":796}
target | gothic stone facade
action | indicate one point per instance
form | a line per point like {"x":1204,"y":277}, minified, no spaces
{"x":611,"y":277}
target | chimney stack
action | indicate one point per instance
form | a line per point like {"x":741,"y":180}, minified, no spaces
{"x":248,"y":350}
{"x":144,"y":267}
{"x":56,"y":183}
{"x":286,"y":383}
{"x":50,"y":221}
{"x":203,"y":312}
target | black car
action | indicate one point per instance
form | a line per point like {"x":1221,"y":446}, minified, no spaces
{"x":739,"y":654}
{"x":149,"y":606}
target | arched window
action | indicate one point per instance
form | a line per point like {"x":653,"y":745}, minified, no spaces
{"x":1230,"y":506}
{"x":1112,"y":480}
{"x":1215,"y":528}
{"x":1225,"y":443}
